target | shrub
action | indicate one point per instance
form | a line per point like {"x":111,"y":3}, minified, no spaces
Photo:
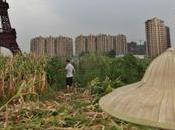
{"x":100,"y":88}
{"x":56,"y":73}
{"x":128,"y":69}
{"x":91,"y":66}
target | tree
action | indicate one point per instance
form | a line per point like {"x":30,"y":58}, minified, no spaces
{"x":111,"y":53}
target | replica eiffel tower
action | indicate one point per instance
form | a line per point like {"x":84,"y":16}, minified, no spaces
{"x":7,"y":33}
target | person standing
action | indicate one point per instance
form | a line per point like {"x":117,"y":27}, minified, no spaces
{"x":69,"y":75}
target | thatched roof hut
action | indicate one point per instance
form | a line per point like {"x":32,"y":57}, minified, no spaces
{"x":150,"y":102}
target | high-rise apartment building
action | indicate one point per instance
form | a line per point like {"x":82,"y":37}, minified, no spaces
{"x":109,"y":43}
{"x":158,"y":37}
{"x":104,"y":43}
{"x":120,"y":44}
{"x":38,"y":46}
{"x":52,"y":46}
{"x":101,"y":43}
{"x":91,"y":43}
{"x":49,"y":46}
{"x":81,"y":47}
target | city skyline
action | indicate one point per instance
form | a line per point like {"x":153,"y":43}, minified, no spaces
{"x":71,"y":18}
{"x":52,"y":46}
{"x":101,"y":43}
{"x":63,"y":46}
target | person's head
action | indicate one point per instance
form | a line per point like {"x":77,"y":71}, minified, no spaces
{"x":68,"y":61}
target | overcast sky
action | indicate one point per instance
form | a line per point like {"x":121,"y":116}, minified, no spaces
{"x":33,"y":18}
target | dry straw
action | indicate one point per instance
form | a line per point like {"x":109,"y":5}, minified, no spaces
{"x":151,"y":101}
{"x":22,"y":73}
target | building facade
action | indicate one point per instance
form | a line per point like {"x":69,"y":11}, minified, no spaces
{"x":168,"y":37}
{"x":81,"y":47}
{"x":52,"y":46}
{"x":101,"y":43}
{"x":120,"y":44}
{"x":91,"y":44}
{"x":158,"y":37}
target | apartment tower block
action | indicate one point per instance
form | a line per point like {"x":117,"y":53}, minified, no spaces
{"x":52,"y":46}
{"x":158,"y":37}
{"x":100,"y":44}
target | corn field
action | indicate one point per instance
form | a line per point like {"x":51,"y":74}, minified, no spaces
{"x":21,"y":75}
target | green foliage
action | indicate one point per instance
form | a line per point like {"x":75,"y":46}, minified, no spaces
{"x":111,"y":54}
{"x":127,"y":69}
{"x":104,"y":87}
{"x":91,"y":66}
{"x":118,"y":71}
{"x":55,"y":72}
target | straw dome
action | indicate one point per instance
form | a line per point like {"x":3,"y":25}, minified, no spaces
{"x":151,"y":101}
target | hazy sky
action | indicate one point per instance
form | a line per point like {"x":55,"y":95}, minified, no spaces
{"x":33,"y":18}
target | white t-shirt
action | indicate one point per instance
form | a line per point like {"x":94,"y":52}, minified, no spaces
{"x":69,"y":68}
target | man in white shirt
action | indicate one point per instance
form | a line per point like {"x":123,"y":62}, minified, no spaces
{"x":69,"y":75}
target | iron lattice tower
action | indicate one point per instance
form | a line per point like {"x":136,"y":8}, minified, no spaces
{"x":7,"y":33}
